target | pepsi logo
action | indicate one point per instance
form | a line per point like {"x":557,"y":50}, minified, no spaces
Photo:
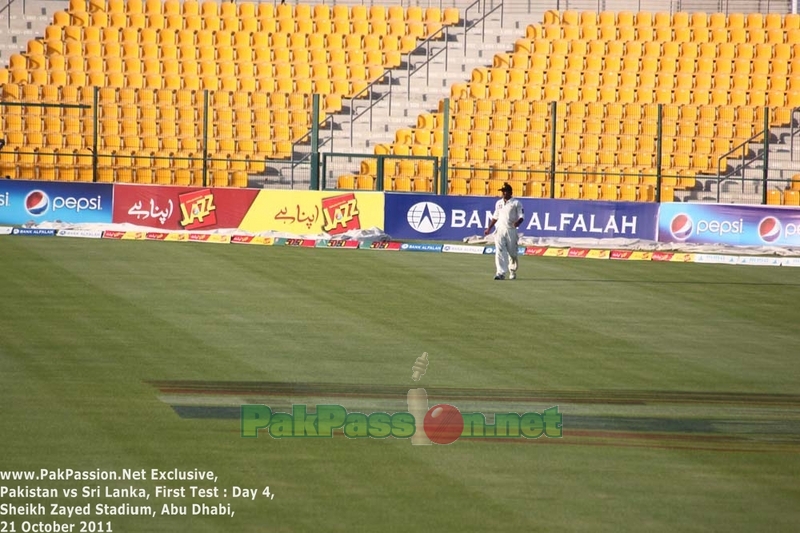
{"x":769,"y":229}
{"x":36,"y":203}
{"x":681,"y":226}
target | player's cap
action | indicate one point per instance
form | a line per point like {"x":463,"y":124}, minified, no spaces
{"x":506,"y":188}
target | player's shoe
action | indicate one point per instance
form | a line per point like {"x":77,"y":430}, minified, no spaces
{"x":499,"y":277}
{"x":512,"y":275}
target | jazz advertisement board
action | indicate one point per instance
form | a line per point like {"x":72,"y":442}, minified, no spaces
{"x":250,"y":210}
{"x":314,"y":212}
{"x":181,"y":208}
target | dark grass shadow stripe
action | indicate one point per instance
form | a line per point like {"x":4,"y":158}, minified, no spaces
{"x":208,"y":412}
{"x":663,"y":282}
{"x":635,"y":432}
{"x":787,"y":429}
{"x":623,"y":397}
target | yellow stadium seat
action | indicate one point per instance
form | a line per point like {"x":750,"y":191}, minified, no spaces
{"x":365,"y":182}
{"x":163,"y":176}
{"x":609,"y":191}
{"x":346,"y":181}
{"x":402,"y":184}
{"x":717,"y":20}
{"x":571,"y":190}
{"x":239,"y":179}
{"x":795,"y":182}
{"x":451,"y":16}
{"x":478,"y":186}
{"x":457,"y":186}
{"x":422,"y":184}
{"x":791,"y":197}
{"x":536,"y":189}
{"x":774,"y":197}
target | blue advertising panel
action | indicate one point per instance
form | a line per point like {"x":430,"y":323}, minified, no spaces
{"x":48,"y":201}
{"x":729,"y":224}
{"x":420,"y":247}
{"x":422,"y":216}
{"x":36,"y":232}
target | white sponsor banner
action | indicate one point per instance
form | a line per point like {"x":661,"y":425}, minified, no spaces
{"x":5,"y":230}
{"x":462,"y":249}
{"x":759,"y":261}
{"x":81,"y":233}
{"x":716,"y":259}
{"x":790,"y":262}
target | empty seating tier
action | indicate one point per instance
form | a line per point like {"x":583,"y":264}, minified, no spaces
{"x":713,"y":75}
{"x":154,"y":63}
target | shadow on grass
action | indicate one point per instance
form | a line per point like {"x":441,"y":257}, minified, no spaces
{"x":657,"y":282}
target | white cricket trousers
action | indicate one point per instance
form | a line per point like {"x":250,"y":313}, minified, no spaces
{"x":505,"y":255}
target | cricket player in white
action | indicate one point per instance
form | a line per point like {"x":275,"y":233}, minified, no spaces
{"x":508,"y":215}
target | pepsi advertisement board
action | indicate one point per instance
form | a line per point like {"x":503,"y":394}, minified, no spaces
{"x":22,"y":202}
{"x":729,"y":224}
{"x":422,"y":216}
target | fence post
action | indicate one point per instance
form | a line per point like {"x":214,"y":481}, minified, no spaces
{"x":765,"y":171}
{"x":659,"y":147}
{"x":324,"y":172}
{"x":205,"y":137}
{"x":445,"y":147}
{"x":553,"y":139}
{"x":314,"y":184}
{"x":96,"y":98}
{"x":379,"y":179}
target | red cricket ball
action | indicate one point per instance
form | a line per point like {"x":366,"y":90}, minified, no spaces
{"x":443,"y":423}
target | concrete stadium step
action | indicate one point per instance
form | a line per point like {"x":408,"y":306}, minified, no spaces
{"x":427,"y":88}
{"x":25,"y":20}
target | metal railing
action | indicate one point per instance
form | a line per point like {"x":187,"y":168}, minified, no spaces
{"x":426,"y":45}
{"x":472,"y":24}
{"x":648,"y":161}
{"x":794,"y":131}
{"x":669,"y":6}
{"x":559,"y":164}
{"x":372,"y":99}
{"x":7,"y":9}
{"x":369,"y":90}
{"x":308,"y":138}
{"x":745,"y":164}
{"x":87,"y":144}
{"x":380,"y":182}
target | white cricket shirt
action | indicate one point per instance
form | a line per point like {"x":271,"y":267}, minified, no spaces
{"x":507,"y":213}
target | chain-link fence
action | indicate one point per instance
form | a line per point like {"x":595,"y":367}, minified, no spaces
{"x":162,"y":136}
{"x":585,"y":150}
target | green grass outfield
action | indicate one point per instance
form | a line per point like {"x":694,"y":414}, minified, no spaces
{"x":679,"y":385}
